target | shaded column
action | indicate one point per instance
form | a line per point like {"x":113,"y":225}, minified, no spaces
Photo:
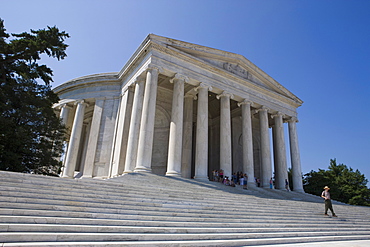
{"x":145,"y":145}
{"x":225,"y":133}
{"x":64,"y":113}
{"x":201,"y":149}
{"x":176,"y":125}
{"x":121,"y":135}
{"x":187,"y":141}
{"x":74,"y":142}
{"x":93,"y":138}
{"x":295,"y":155}
{"x":133,"y":136}
{"x":247,"y":139}
{"x":281,"y":172}
{"x":266,"y":168}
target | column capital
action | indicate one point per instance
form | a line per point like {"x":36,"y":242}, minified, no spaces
{"x":278,"y":114}
{"x":245,"y":102}
{"x":225,"y":94}
{"x":138,"y":79}
{"x":179,"y":77}
{"x":130,"y":87}
{"x":154,"y":67}
{"x":203,"y":85}
{"x":81,"y":102}
{"x":64,"y":105}
{"x":263,"y":108}
{"x":190,"y":95}
{"x":293,"y":120}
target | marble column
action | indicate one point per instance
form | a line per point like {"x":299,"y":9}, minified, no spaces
{"x":74,"y":142}
{"x":145,"y":145}
{"x":187,"y":143}
{"x":281,"y":171}
{"x":266,"y":169}
{"x":84,"y":147}
{"x":93,"y":138}
{"x":247,"y":139}
{"x":133,"y":136}
{"x":225,"y":133}
{"x":121,"y":135}
{"x":176,"y":125}
{"x":201,"y":149}
{"x":295,"y":155}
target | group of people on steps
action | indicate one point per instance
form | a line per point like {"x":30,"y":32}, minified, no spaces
{"x":237,"y":178}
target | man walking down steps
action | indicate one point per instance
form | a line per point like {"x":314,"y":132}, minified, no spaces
{"x":326,"y":195}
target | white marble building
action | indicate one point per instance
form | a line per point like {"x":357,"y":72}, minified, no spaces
{"x":180,"y":109}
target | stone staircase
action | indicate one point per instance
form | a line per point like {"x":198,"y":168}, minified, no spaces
{"x":149,"y":210}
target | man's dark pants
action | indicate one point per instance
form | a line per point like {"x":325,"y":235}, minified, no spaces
{"x":328,"y":205}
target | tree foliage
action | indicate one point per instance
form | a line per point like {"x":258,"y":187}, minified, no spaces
{"x":346,"y":185}
{"x":31,"y":135}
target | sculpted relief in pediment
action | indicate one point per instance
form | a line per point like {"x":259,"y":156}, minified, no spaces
{"x":236,"y":69}
{"x":239,"y":71}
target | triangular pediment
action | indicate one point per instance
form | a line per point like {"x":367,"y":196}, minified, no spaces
{"x":234,"y":64}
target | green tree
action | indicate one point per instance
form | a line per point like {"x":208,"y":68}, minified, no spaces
{"x":31,"y":135}
{"x":346,"y":185}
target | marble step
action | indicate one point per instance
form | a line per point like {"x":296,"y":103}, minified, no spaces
{"x":6,"y":227}
{"x":67,"y":236}
{"x":175,"y":222}
{"x":128,"y":219}
{"x":198,"y":243}
{"x":25,"y":208}
{"x":133,"y":214}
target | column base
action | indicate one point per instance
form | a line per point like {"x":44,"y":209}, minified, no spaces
{"x":143,"y":169}
{"x":173,"y":174}
{"x":127,"y":172}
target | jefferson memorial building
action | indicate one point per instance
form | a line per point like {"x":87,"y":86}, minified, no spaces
{"x":180,"y":109}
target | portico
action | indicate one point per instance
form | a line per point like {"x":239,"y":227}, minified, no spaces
{"x":180,"y":109}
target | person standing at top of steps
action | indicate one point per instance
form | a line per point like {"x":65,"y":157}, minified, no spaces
{"x":287,"y":185}
{"x":245,"y":183}
{"x":326,"y":195}
{"x":221,"y":175}
{"x":241,"y":181}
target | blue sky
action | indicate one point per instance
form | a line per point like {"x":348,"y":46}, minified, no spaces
{"x":319,"y":50}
